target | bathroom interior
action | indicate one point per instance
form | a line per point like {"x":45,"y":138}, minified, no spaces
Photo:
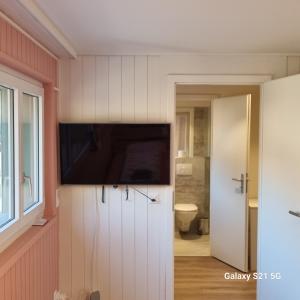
{"x":192,"y":167}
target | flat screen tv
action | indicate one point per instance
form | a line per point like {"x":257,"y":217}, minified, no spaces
{"x":115,"y":154}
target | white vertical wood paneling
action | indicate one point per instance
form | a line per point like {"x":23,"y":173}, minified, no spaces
{"x":169,"y":107}
{"x":78,"y":245}
{"x":128,"y":205}
{"x":130,"y":256}
{"x":128,"y":88}
{"x":96,"y":281}
{"x":90,"y":231}
{"x":101,"y":105}
{"x":88,"y":89}
{"x":115,"y":88}
{"x":164,"y":104}
{"x":104,"y":245}
{"x":74,"y":103}
{"x":64,"y":90}
{"x":154,"y":100}
{"x":141,"y":244}
{"x":65,"y":240}
{"x":141,"y":89}
{"x":153,"y":228}
{"x":115,"y":240}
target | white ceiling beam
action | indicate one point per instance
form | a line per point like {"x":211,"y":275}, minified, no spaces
{"x":34,"y":10}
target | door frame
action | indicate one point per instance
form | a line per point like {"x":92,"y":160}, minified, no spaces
{"x":192,"y":79}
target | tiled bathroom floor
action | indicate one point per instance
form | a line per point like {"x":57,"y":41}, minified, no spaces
{"x":191,"y":245}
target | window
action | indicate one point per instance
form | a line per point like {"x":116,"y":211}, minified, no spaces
{"x":7,"y":207}
{"x":21,"y":155}
{"x":30,"y":150}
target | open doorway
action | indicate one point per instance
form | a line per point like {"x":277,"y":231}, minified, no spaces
{"x":195,"y":254}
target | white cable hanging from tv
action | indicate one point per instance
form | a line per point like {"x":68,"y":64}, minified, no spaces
{"x":127,"y":193}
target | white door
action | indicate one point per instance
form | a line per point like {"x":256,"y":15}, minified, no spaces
{"x":279,"y":210}
{"x":229,"y":157}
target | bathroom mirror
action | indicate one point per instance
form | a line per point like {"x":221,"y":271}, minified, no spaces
{"x":184,"y":132}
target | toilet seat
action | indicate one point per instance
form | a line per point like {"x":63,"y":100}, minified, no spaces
{"x":185,"y":207}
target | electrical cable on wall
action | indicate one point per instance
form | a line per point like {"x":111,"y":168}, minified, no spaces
{"x":151,"y":199}
{"x":127,"y":193}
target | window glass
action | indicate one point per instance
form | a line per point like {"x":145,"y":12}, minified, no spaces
{"x":7,"y":211}
{"x":30,"y":149}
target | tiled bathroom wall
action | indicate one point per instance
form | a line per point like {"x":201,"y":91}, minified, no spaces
{"x":195,"y":188}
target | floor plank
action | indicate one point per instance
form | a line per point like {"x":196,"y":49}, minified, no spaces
{"x":202,"y":278}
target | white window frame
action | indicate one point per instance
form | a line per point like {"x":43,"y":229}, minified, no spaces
{"x":20,"y":84}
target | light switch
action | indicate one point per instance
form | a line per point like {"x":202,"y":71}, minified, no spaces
{"x":184,"y":169}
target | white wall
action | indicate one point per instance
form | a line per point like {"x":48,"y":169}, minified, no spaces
{"x":130,"y":262}
{"x":134,"y":238}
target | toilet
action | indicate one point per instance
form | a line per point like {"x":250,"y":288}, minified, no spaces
{"x":184,"y":215}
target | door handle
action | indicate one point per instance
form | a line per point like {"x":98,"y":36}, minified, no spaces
{"x":242,"y":182}
{"x":293,"y":213}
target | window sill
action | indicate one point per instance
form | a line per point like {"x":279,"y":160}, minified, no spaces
{"x":16,"y":228}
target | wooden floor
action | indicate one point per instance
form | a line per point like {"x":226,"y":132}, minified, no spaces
{"x":202,"y":278}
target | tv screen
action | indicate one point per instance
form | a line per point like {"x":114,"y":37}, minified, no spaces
{"x":115,"y":153}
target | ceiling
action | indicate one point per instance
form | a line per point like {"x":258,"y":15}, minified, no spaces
{"x":209,"y":26}
{"x":170,"y":26}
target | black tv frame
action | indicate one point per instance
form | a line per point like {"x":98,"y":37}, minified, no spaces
{"x":168,"y":182}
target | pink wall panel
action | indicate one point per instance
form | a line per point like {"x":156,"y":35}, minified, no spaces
{"x":29,"y":267}
{"x":21,"y":53}
{"x":50,"y":118}
{"x":31,"y":273}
